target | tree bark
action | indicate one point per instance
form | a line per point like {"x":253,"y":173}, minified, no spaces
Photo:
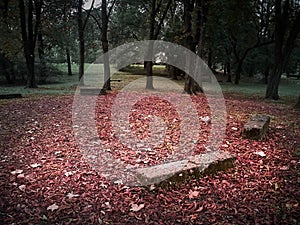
{"x":104,"y":41}
{"x":153,"y":35}
{"x":297,"y":106}
{"x":41,"y":52}
{"x":149,"y":64}
{"x":6,"y":67}
{"x":193,"y":39}
{"x":283,"y":45}
{"x":81,"y":43}
{"x":69,"y":63}
{"x":238,"y":72}
{"x":29,"y":35}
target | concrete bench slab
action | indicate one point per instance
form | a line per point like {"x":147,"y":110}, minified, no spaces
{"x":257,"y":127}
{"x":90,"y":91}
{"x":179,"y":171}
{"x":10,"y":96}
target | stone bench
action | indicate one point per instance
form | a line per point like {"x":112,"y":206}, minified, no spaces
{"x":90,"y":91}
{"x":257,"y":127}
{"x":10,"y":96}
{"x":293,"y":75}
{"x":179,"y":171}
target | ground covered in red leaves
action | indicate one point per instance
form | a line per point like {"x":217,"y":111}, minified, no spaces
{"x":44,"y":178}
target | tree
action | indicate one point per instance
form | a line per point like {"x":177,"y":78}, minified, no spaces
{"x":81,"y":26}
{"x":297,"y":106}
{"x":9,"y":39}
{"x":105,"y":14}
{"x":287,"y":28}
{"x":29,"y":35}
{"x":102,"y":21}
{"x":195,"y":13}
{"x":155,"y":25}
{"x":128,"y":22}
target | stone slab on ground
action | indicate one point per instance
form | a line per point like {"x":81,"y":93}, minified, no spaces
{"x":179,"y":171}
{"x":257,"y":127}
{"x":90,"y":91}
{"x":10,"y":96}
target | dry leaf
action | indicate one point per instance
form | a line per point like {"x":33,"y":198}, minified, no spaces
{"x":260,"y":153}
{"x":52,"y":207}
{"x":71,"y":195}
{"x":16,"y":172}
{"x":193,"y":194}
{"x":21,"y":175}
{"x":35,"y":165}
{"x":22,"y":187}
{"x":136,"y":208}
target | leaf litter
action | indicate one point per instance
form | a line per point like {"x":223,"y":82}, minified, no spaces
{"x":262,"y":188}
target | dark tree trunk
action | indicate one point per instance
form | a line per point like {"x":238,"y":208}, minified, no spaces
{"x":283,"y":45}
{"x":104,"y":41}
{"x":6,"y":66}
{"x":228,"y":72}
{"x":69,"y":63}
{"x":29,"y":35}
{"x":266,"y":74}
{"x":192,"y":40}
{"x":153,"y":35}
{"x":81,"y":43}
{"x":174,"y":72}
{"x":238,"y":72}
{"x":297,"y":106}
{"x":149,"y":64}
{"x":188,"y":10}
{"x":43,"y":70}
{"x":209,"y":61}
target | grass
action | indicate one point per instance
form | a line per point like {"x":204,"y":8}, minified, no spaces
{"x":63,"y":84}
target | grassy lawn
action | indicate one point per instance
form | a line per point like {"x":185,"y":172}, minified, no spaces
{"x":62,"y":84}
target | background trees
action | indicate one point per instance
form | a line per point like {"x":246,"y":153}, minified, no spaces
{"x":287,"y":28}
{"x":236,"y":38}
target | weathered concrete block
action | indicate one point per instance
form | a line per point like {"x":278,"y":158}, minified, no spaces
{"x":256,"y":127}
{"x":179,"y":171}
{"x":10,"y":96}
{"x":90,"y":91}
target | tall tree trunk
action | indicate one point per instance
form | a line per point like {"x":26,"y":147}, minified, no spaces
{"x":266,"y":74}
{"x":283,"y":45}
{"x":81,"y":43}
{"x":193,"y":39}
{"x":149,"y":64}
{"x":69,"y":63}
{"x":238,"y":72}
{"x":228,"y":72}
{"x":29,"y":39}
{"x":43,"y":72}
{"x":297,"y":106}
{"x":153,"y":35}
{"x":6,"y":66}
{"x":104,"y":41}
{"x":188,"y":10}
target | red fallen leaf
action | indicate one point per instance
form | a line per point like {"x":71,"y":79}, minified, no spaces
{"x":284,"y":168}
{"x":225,"y":182}
{"x":200,"y":209}
{"x":193,"y":194}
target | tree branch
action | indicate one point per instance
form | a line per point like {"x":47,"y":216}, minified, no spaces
{"x":88,"y":15}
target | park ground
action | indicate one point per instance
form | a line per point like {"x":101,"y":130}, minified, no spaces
{"x":44,"y":178}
